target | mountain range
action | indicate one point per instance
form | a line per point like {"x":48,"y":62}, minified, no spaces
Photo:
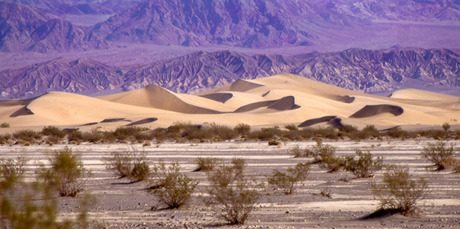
{"x":365,"y":45}
{"x":371,"y":71}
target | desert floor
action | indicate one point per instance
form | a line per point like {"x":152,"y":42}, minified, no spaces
{"x":121,"y":204}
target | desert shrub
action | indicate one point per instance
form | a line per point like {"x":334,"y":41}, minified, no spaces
{"x":231,"y":193}
{"x":67,"y":173}
{"x":322,"y":152}
{"x":140,"y":171}
{"x":457,"y":168}
{"x":298,"y":152}
{"x":265,"y":134}
{"x":4,"y":125}
{"x":326,"y":192}
{"x":4,"y":138}
{"x":364,"y":166}
{"x":398,"y":192}
{"x":286,"y":180}
{"x":291,"y":127}
{"x":242,"y":129}
{"x":170,"y":186}
{"x":19,"y":208}
{"x":274,"y":142}
{"x":348,"y":129}
{"x":329,"y":133}
{"x":440,"y":153}
{"x":445,"y":126}
{"x":223,"y":132}
{"x":128,"y":164}
{"x":53,"y":131}
{"x":397,"y":132}
{"x":370,"y":131}
{"x":206,"y":163}
{"x":332,"y":163}
{"x":130,"y":133}
{"x":11,"y":171}
{"x":75,"y":136}
{"x":93,"y":136}
{"x":27,"y":136}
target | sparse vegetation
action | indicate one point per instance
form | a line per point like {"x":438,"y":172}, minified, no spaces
{"x":242,"y":129}
{"x":67,"y":173}
{"x":19,"y":208}
{"x":206,"y":164}
{"x":274,"y":142}
{"x":172,"y":188}
{"x":398,"y":192}
{"x":440,"y":153}
{"x":232,"y":194}
{"x":286,"y":181}
{"x":363,"y":166}
{"x":4,"y":125}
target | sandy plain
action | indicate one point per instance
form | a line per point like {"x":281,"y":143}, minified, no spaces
{"x":121,"y":204}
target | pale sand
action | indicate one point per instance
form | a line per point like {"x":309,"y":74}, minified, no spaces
{"x":315,"y":100}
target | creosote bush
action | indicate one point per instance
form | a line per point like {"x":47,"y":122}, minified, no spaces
{"x":363,"y":166}
{"x":440,"y":153}
{"x":286,"y":180}
{"x":242,"y":129}
{"x":11,"y":171}
{"x":398,"y":192}
{"x":206,"y":164}
{"x":4,"y":125}
{"x":232,"y":195}
{"x":67,"y":173}
{"x":173,"y":188}
{"x":131,"y":165}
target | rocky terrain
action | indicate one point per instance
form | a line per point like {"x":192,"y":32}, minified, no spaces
{"x":356,"y":69}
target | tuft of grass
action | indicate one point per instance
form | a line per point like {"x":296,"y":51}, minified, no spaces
{"x":172,"y":188}
{"x":398,"y":192}
{"x":232,"y":195}
{"x":286,"y":180}
{"x":440,"y":153}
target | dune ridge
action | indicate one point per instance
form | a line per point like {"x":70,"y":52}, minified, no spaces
{"x":282,"y":99}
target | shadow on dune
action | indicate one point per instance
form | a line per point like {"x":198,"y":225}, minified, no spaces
{"x":283,"y":104}
{"x":219,"y":97}
{"x":371,"y":110}
{"x":331,"y":120}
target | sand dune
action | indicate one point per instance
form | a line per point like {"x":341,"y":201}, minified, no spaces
{"x":157,"y":97}
{"x":278,"y":100}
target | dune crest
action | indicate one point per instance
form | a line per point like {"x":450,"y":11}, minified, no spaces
{"x":331,"y":120}
{"x":283,"y":104}
{"x":219,"y":97}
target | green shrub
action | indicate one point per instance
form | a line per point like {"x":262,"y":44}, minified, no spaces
{"x":231,"y":194}
{"x":332,"y":163}
{"x":170,"y":186}
{"x":140,"y":172}
{"x":206,"y":164}
{"x":397,"y":132}
{"x":364,"y":166}
{"x":398,"y":192}
{"x":286,"y":180}
{"x":322,"y":152}
{"x":446,"y":126}
{"x":5,"y":125}
{"x":440,"y":153}
{"x":67,"y":173}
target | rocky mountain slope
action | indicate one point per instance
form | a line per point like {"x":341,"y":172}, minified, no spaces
{"x":356,"y":69}
{"x":39,"y":25}
{"x":24,"y":28}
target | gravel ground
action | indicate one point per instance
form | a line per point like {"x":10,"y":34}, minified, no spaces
{"x":121,"y":204}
